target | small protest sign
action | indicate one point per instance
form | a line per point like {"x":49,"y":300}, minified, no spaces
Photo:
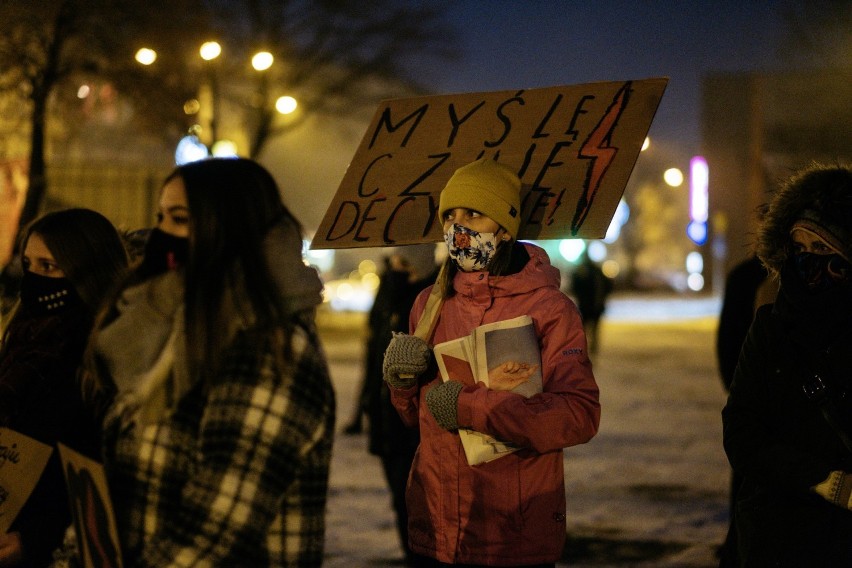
{"x":91,"y":509}
{"x":22,"y":461}
{"x":573,"y":148}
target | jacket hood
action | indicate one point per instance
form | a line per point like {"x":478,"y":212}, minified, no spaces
{"x":825,"y":192}
{"x":299,"y":284}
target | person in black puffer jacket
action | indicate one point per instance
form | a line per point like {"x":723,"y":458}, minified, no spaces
{"x":788,"y":419}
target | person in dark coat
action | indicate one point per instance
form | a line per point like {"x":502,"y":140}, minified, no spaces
{"x":739,"y":303}
{"x":788,"y":419}
{"x":747,"y":287}
{"x":591,"y":287}
{"x":389,"y":438}
{"x":71,"y":259}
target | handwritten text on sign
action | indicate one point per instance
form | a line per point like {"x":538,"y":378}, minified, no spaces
{"x":573,"y":147}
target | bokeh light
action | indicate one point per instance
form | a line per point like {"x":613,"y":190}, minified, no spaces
{"x":286,"y":104}
{"x":210,"y":50}
{"x":262,"y":60}
{"x":571,"y":249}
{"x":146,"y":56}
{"x":673,"y":177}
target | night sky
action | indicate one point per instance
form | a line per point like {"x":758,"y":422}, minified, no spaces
{"x":505,"y":45}
{"x":539,"y":43}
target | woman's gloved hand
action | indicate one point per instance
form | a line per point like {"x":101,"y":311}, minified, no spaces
{"x":406,"y":358}
{"x":443,"y":403}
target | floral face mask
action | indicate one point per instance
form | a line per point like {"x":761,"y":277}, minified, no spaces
{"x":469,"y":249}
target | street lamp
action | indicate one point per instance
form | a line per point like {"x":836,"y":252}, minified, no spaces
{"x":146,"y":56}
{"x":209,"y":51}
{"x":262,"y":60}
{"x":286,"y":104}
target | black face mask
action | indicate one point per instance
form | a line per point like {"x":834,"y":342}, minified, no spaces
{"x":42,"y":295}
{"x":163,"y":252}
{"x":822,"y":271}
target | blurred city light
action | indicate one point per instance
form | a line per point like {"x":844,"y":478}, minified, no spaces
{"x":348,"y":294}
{"x":619,"y":218}
{"x":322,"y":259}
{"x":697,"y":231}
{"x":699,"y":179}
{"x":611,"y":268}
{"x":190,"y":149}
{"x":285,"y":104}
{"x":366,"y":267}
{"x":371,"y":281}
{"x":210,"y":50}
{"x":571,"y":249}
{"x":699,"y":200}
{"x":224,"y":149}
{"x":191,"y":107}
{"x":597,"y":251}
{"x":673,"y":177}
{"x":83,"y":91}
{"x":645,"y":144}
{"x":146,"y":56}
{"x":262,"y":60}
{"x":694,"y":262}
{"x":695,"y":282}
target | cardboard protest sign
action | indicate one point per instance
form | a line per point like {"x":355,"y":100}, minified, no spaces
{"x":22,"y":461}
{"x":91,"y":508}
{"x":573,"y":148}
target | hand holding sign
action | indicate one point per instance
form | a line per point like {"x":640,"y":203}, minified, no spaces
{"x":573,"y":148}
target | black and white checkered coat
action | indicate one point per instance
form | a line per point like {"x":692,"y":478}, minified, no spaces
{"x":238,"y":474}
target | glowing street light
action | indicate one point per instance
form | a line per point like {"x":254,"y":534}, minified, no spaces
{"x":210,"y":50}
{"x":286,"y":104}
{"x":262,"y":60}
{"x":673,"y":177}
{"x":146,"y":56}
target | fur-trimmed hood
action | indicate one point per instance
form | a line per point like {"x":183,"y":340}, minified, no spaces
{"x":823,"y":190}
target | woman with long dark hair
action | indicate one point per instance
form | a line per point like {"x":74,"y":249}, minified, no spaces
{"x":71,"y":260}
{"x":219,"y":411}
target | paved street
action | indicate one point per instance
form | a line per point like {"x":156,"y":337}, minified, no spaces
{"x":649,"y":490}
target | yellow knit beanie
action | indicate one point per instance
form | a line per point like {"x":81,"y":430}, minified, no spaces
{"x":489,"y":187}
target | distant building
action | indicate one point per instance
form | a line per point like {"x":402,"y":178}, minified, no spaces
{"x":756,"y":130}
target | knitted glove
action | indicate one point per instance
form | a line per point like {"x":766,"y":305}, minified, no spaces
{"x":442,"y":401}
{"x":406,"y":357}
{"x":837,"y":489}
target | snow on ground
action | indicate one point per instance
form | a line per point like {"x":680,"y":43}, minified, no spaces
{"x":649,"y":490}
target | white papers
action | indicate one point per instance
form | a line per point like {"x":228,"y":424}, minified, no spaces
{"x":469,"y":359}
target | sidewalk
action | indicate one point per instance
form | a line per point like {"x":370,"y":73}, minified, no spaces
{"x":649,"y":490}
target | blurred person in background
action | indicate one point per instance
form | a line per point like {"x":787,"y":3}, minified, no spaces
{"x":219,"y":410}
{"x":71,"y":260}
{"x":788,"y":419}
{"x":591,"y":287}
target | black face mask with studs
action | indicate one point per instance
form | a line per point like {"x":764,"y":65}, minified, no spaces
{"x":42,"y":295}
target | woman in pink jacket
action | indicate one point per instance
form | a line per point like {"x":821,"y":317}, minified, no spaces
{"x":509,"y":511}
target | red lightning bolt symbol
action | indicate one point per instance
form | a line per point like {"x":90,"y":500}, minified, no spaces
{"x":597,"y":148}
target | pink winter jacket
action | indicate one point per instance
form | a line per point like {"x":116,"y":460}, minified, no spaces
{"x":510,"y":511}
